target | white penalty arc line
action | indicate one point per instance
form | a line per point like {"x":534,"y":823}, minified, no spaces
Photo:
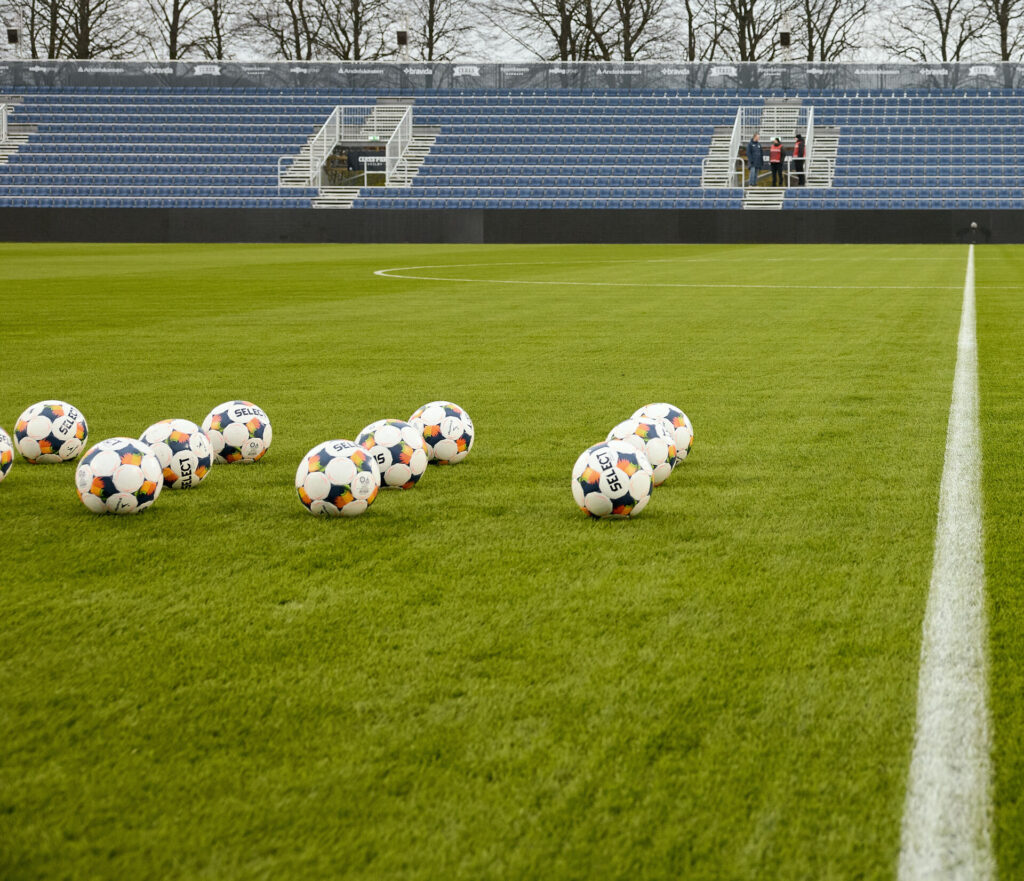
{"x":947,"y":820}
{"x":401,"y":273}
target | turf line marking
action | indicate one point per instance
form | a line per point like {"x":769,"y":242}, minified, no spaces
{"x":947,"y":819}
{"x":398,"y":273}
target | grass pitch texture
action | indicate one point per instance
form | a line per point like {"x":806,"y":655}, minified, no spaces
{"x":1001,"y":378}
{"x":472,"y":680}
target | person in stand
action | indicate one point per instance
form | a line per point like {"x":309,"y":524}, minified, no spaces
{"x":775,"y":156}
{"x":755,"y":158}
{"x":799,"y":151}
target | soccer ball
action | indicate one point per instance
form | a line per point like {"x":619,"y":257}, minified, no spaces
{"x":6,"y":453}
{"x":447,"y":430}
{"x":50,"y":431}
{"x":337,"y":478}
{"x":612,"y":479}
{"x":119,"y":476}
{"x":680,"y":422}
{"x":652,"y":437}
{"x":399,"y":449}
{"x":184,"y":452}
{"x":239,"y":431}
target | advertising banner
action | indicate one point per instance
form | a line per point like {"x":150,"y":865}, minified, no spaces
{"x":370,"y":76}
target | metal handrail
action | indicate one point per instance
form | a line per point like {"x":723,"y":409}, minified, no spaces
{"x":809,"y":138}
{"x":734,"y":144}
{"x":397,"y":144}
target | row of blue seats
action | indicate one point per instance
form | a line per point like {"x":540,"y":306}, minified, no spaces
{"x":72,"y":165}
{"x":534,"y":192}
{"x":523,"y":149}
{"x":622,"y":181}
{"x":875,"y":203}
{"x":243,"y":150}
{"x":57,"y":146}
{"x":12,"y":177}
{"x":141,"y":202}
{"x":623,"y":203}
{"x":250,"y":192}
{"x":192,"y":131}
{"x":919,"y":190}
{"x":131,"y":121}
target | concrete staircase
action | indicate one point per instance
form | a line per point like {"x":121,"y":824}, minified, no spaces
{"x":717,"y":168}
{"x":822,"y":165}
{"x":17,"y":133}
{"x":423,"y":138}
{"x":336,"y":197}
{"x":763,"y":198}
{"x":779,"y":119}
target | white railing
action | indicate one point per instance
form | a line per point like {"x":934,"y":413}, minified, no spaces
{"x":734,"y":151}
{"x":809,"y":138}
{"x":398,"y":143}
{"x":709,"y":165}
{"x":4,"y":110}
{"x":389,"y":124}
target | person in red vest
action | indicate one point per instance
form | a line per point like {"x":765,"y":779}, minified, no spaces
{"x":799,"y":151}
{"x":775,"y":156}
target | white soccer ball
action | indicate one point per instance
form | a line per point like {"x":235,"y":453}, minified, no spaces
{"x":337,"y":478}
{"x":612,"y":480}
{"x":239,"y":432}
{"x":184,"y":452}
{"x":6,"y":453}
{"x":447,"y":430}
{"x":399,"y":449}
{"x":680,"y":423}
{"x":119,"y":476}
{"x":50,"y":432}
{"x":655,"y":438}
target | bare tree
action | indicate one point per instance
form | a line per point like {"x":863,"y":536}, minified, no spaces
{"x":46,"y":26}
{"x":178,"y":27}
{"x":288,"y":29}
{"x":441,"y":27}
{"x":639,"y":29}
{"x":354,"y":29}
{"x":221,"y":28}
{"x":703,"y":26}
{"x":936,"y":30}
{"x":1005,"y":18}
{"x":103,"y":29}
{"x":750,"y":27}
{"x":830,"y":29}
{"x":552,"y":30}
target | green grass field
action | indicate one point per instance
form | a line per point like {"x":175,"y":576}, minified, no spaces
{"x":473,"y":680}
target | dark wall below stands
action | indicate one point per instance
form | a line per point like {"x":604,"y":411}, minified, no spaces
{"x":494,"y":226}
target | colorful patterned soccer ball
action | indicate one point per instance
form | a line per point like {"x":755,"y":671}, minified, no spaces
{"x":49,"y":432}
{"x":119,"y":476}
{"x":399,"y":449}
{"x":680,"y":422}
{"x":184,"y":452}
{"x":612,"y":479}
{"x":239,"y":431}
{"x":6,"y":453}
{"x":337,"y":478}
{"x":652,"y":437}
{"x":447,"y":430}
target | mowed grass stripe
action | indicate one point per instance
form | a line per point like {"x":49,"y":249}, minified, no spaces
{"x":1001,"y":374}
{"x":472,"y":681}
{"x":947,"y":822}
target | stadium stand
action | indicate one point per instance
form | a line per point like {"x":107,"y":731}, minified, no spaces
{"x":173,"y":146}
{"x":155,"y":148}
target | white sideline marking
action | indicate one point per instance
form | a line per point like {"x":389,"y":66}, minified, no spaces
{"x":399,"y":272}
{"x":947,"y":819}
